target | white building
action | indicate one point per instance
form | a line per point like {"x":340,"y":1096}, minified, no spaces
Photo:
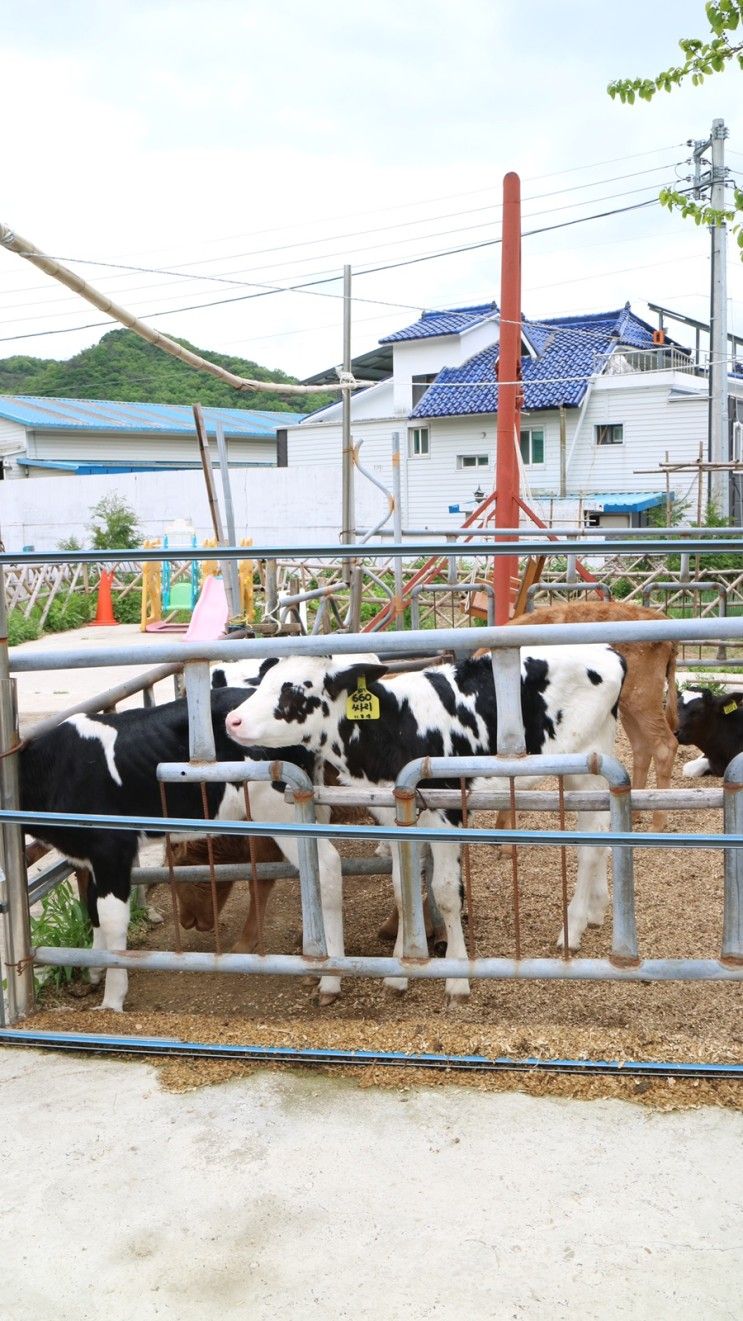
{"x":51,"y":437}
{"x":606,"y":398}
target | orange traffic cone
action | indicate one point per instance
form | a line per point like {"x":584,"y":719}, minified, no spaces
{"x":105,"y":612}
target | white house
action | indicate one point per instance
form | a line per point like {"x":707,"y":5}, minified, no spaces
{"x":605,"y":399}
{"x":52,"y":437}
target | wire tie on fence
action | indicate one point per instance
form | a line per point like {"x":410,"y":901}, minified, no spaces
{"x":17,"y":747}
{"x":20,"y":966}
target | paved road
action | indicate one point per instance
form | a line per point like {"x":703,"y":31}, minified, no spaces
{"x":292,"y":1196}
{"x":42,"y":692}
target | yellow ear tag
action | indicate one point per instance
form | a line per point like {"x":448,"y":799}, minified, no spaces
{"x":731,"y":706}
{"x":361,"y":704}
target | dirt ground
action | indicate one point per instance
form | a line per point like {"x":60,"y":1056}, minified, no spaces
{"x":679,"y":913}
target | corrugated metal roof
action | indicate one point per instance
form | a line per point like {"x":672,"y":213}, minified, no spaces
{"x":451,"y":321}
{"x":568,"y":350}
{"x":626,"y":502}
{"x":111,"y":415}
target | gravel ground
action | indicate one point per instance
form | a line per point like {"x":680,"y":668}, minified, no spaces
{"x":679,"y":913}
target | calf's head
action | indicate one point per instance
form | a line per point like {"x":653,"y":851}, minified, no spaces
{"x":702,"y":715}
{"x":300,"y":700}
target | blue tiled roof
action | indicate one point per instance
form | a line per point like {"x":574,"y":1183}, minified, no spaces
{"x":568,"y":349}
{"x":449,"y":322}
{"x":111,"y":415}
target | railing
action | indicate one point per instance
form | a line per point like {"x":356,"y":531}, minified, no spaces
{"x":625,"y":961}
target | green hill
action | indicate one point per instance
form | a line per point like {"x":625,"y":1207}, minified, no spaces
{"x":123,"y":366}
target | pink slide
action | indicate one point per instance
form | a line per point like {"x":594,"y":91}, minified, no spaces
{"x":210,"y":614}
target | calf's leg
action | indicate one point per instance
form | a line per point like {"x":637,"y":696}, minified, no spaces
{"x":447,"y":891}
{"x":247,"y":942}
{"x":112,"y":869}
{"x":331,"y":898}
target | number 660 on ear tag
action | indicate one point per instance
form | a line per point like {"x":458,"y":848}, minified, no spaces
{"x":361,"y":704}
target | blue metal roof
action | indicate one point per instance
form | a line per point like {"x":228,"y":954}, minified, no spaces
{"x":627,"y":502}
{"x":452,"y":321}
{"x":86,"y":468}
{"x":568,"y":350}
{"x":110,"y":415}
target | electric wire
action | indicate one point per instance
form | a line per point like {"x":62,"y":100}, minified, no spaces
{"x":309,"y":286}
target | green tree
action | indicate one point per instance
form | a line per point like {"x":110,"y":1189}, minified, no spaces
{"x":702,"y":57}
{"x":114,"y":525}
{"x":121,"y":366}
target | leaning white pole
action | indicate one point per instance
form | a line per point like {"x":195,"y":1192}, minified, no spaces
{"x":15,"y":243}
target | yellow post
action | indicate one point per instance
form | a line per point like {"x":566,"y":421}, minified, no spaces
{"x":208,"y":568}
{"x":247,"y":600}
{"x":151,"y":588}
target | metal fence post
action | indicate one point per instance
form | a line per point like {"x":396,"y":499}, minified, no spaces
{"x":624,"y":929}
{"x":732,"y":921}
{"x":507,"y":680}
{"x":198,"y":693}
{"x":18,"y":969}
{"x":415,"y":945}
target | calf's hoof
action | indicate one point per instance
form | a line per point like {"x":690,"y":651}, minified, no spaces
{"x":457,"y":993}
{"x":388,"y":929}
{"x":396,"y":985}
{"x":574,"y":939}
{"x":154,"y":919}
{"x":112,"y":1008}
{"x":328,"y":991}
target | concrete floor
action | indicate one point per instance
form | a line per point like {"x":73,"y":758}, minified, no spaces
{"x":296,"y":1196}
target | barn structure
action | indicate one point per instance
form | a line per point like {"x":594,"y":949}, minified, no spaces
{"x":53,"y":437}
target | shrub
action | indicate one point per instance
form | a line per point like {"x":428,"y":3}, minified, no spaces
{"x":71,"y":611}
{"x":128,"y":609}
{"x":114,"y":524}
{"x":22,"y":630}
{"x":63,"y":923}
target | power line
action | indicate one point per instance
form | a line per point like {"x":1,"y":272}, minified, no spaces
{"x":230,"y":278}
{"x":402,"y":224}
{"x":308,"y":286}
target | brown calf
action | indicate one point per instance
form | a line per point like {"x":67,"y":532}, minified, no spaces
{"x":195,"y":907}
{"x":649,"y":716}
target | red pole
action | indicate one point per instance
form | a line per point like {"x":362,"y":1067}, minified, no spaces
{"x":505,"y":567}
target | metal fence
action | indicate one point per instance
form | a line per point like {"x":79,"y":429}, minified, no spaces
{"x":625,"y":961}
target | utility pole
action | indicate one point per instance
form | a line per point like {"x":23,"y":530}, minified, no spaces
{"x":714,"y":180}
{"x":348,"y":520}
{"x":719,"y":480}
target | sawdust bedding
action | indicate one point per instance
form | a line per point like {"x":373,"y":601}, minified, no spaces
{"x":679,"y":913}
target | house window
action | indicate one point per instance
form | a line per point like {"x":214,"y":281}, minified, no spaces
{"x":418,"y":444}
{"x":609,"y":433}
{"x":420,"y":385}
{"x":532,"y":447}
{"x":473,"y":460}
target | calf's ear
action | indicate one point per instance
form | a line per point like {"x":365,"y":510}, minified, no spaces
{"x":347,"y":680}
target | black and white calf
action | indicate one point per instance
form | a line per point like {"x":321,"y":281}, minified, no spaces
{"x":569,"y":699}
{"x":713,"y":722}
{"x":107,"y":765}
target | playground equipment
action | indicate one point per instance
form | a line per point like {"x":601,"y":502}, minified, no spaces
{"x":186,"y":586}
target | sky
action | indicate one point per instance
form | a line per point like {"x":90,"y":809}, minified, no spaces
{"x":233,"y":148}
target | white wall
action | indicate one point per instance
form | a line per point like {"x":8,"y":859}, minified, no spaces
{"x":274,"y":506}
